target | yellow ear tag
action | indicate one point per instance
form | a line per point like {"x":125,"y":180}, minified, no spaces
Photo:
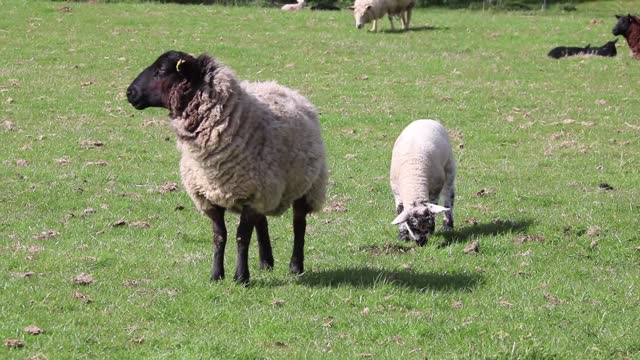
{"x":180,"y":62}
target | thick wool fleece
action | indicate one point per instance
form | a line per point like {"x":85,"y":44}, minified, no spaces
{"x":422,"y":163}
{"x":380,"y":8}
{"x":248,"y":144}
{"x":633,"y":38}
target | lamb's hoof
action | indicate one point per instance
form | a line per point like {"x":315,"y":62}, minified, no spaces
{"x":421,"y":242}
{"x":296,"y":268}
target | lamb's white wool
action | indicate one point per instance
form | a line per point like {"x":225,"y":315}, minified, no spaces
{"x":294,"y":7}
{"x":422,"y":168}
{"x":365,"y":11}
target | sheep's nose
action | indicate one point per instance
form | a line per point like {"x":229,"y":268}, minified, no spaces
{"x":131,"y":93}
{"x":359,"y":26}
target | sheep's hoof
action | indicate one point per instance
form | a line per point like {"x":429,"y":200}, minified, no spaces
{"x":217,"y":275}
{"x":296,"y":268}
{"x":266,"y":264}
{"x":242,"y":279}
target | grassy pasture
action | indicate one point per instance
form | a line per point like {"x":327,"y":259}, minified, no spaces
{"x":557,"y":272}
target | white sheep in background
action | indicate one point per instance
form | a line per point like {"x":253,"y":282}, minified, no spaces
{"x":422,"y":169}
{"x":294,"y":7}
{"x":252,"y":148}
{"x":365,"y":11}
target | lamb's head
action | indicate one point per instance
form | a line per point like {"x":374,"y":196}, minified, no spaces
{"x":623,"y":24}
{"x":610,"y":47}
{"x":419,"y":219}
{"x":172,"y":71}
{"x":362,"y":14}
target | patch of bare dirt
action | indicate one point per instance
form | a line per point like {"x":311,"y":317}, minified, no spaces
{"x":387,"y":249}
{"x":521,"y":239}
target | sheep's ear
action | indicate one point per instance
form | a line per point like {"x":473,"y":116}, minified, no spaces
{"x":618,"y":16}
{"x":403,"y":217}
{"x":188,"y":67}
{"x":436,"y":209}
{"x":368,"y":7}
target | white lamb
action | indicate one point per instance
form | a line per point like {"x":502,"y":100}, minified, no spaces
{"x":422,"y":169}
{"x":252,"y":148}
{"x":365,"y":11}
{"x":294,"y":7}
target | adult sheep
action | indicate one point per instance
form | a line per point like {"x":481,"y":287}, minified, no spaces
{"x":252,"y":148}
{"x":422,"y":169}
{"x":365,"y":11}
{"x":629,"y":27}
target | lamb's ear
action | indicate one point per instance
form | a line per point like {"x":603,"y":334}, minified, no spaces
{"x":368,"y":7}
{"x":436,"y":209}
{"x":188,"y":67}
{"x":402,"y":217}
{"x":618,"y":16}
{"x":351,"y":7}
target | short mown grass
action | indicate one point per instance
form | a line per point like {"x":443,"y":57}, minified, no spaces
{"x":536,"y":141}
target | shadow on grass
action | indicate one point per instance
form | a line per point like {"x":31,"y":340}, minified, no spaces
{"x":493,"y":228}
{"x":414,"y":28}
{"x":368,"y":277}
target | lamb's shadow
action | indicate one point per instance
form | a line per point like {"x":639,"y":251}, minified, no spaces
{"x":493,"y":228}
{"x":368,"y":277}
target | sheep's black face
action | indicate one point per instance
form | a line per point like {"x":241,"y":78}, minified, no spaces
{"x":623,"y":24}
{"x":152,"y":88}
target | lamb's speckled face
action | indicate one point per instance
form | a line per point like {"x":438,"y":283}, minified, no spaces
{"x":419,"y":220}
{"x":362,"y":15}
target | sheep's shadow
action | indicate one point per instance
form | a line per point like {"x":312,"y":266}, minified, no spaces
{"x":368,"y":277}
{"x":492,"y":228}
{"x":415,"y":29}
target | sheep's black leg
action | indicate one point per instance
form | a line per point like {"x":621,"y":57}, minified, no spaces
{"x":403,"y":233}
{"x":300,"y":211}
{"x":243,"y":238}
{"x":264,"y":243}
{"x":216,"y":214}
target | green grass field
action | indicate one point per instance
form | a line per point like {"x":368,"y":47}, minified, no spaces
{"x":86,"y":183}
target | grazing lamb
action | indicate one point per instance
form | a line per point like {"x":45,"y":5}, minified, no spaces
{"x":422,"y":168}
{"x":251,"y":148}
{"x":365,"y":11}
{"x":294,"y":7}
{"x":629,"y":27}
{"x":608,"y":49}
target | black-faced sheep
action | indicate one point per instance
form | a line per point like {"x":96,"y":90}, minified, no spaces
{"x":365,"y":11}
{"x":562,"y":51}
{"x":422,"y":169}
{"x":608,"y":49}
{"x":629,"y":27}
{"x":251,"y":148}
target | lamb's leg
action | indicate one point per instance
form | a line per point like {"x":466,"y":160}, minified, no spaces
{"x":403,"y":231}
{"x":434,"y":200}
{"x":216,"y":214}
{"x":391,"y":21}
{"x":374,"y":27}
{"x":448,"y":193}
{"x":243,"y":238}
{"x":300,"y":211}
{"x":264,"y":243}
